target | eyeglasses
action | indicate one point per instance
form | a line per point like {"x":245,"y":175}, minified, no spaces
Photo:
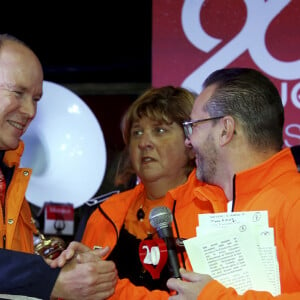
{"x":188,"y":125}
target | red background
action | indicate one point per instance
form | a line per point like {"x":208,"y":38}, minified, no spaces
{"x":174,"y":57}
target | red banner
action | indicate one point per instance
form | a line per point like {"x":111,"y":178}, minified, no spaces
{"x":192,"y":38}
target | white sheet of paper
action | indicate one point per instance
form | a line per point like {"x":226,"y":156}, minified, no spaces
{"x":237,"y":249}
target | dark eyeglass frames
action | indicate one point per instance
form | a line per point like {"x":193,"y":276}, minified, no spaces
{"x":188,"y":125}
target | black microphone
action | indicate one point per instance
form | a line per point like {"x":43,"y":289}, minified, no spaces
{"x":161,"y":219}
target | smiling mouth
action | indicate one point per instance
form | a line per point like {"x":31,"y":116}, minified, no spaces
{"x":16,"y":125}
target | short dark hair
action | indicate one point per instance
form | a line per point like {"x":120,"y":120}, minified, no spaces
{"x":252,"y":100}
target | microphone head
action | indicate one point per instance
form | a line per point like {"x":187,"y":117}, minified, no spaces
{"x":160,"y":217}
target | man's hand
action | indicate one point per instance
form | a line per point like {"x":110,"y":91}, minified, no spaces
{"x":189,"y":287}
{"x":78,"y":250}
{"x":85,"y":275}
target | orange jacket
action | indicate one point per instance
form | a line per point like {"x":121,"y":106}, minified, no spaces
{"x":273,"y":186}
{"x":16,"y":225}
{"x":100,"y":232}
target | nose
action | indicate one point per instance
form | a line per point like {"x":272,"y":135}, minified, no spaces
{"x":28,"y":107}
{"x":145,"y":140}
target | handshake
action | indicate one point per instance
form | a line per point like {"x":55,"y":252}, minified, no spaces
{"x":84,"y":274}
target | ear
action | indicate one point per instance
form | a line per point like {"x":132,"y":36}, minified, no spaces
{"x":227,"y":130}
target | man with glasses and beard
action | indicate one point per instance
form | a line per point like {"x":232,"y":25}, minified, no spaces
{"x":236,"y":131}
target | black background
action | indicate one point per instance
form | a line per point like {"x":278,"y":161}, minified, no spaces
{"x":104,"y":41}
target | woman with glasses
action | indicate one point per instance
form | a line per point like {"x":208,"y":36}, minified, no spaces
{"x":156,"y":154}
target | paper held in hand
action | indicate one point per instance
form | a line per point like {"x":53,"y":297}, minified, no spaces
{"x":237,"y":249}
